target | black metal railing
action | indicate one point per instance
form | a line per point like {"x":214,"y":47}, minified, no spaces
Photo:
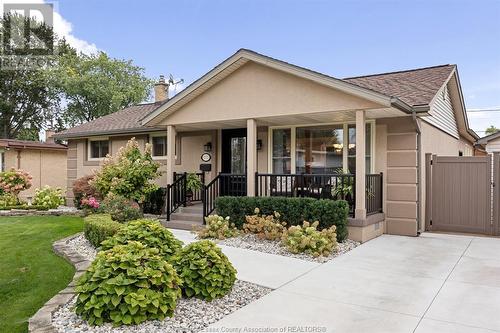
{"x":176,"y":194}
{"x":224,"y":184}
{"x":374,"y":193}
{"x":197,"y":195}
{"x":319,"y":186}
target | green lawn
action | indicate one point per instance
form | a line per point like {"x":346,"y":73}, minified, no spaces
{"x":30,"y":272}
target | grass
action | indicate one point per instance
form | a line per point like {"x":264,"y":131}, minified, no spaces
{"x":30,"y":272}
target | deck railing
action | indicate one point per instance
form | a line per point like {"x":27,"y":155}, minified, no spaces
{"x":176,"y":194}
{"x":374,"y":193}
{"x":197,"y":195}
{"x":224,"y":184}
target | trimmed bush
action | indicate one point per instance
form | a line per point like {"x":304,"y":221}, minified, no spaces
{"x":128,"y":284}
{"x":150,"y":233}
{"x":293,"y":211}
{"x":307,"y":239}
{"x":155,"y":202}
{"x":217,"y":227}
{"x":99,"y":227}
{"x":205,"y":271}
{"x":49,"y":197}
{"x":120,"y":208}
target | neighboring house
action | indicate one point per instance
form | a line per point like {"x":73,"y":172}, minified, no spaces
{"x":253,"y":114}
{"x":491,"y":143}
{"x":45,"y":161}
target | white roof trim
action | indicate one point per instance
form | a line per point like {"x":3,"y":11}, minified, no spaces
{"x":276,"y":64}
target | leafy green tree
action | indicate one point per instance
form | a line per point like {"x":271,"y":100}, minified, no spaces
{"x":27,"y":97}
{"x":491,"y":130}
{"x":97,"y":85}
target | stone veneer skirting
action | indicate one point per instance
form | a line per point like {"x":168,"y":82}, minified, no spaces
{"x":41,"y":322}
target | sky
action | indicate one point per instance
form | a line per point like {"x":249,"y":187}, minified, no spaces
{"x":340,"y":38}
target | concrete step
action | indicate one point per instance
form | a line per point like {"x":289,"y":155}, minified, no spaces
{"x":182,"y":225}
{"x":194,"y":217}
{"x":198,"y":209}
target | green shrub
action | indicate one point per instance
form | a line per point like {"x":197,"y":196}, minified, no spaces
{"x":127,"y":284}
{"x":293,"y":211}
{"x":129,"y":173}
{"x":49,"y":197}
{"x":205,"y":271}
{"x":120,"y":208}
{"x":99,"y":227}
{"x":155,"y":201}
{"x":307,"y":239}
{"x":264,"y":226}
{"x":8,"y":200}
{"x":217,"y":227}
{"x":150,"y":233}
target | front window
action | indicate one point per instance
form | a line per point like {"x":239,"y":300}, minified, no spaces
{"x":319,"y":149}
{"x":99,"y":149}
{"x":159,"y":146}
{"x":282,"y":147}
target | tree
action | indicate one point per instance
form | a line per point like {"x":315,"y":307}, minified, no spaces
{"x":27,"y":99}
{"x":491,"y":130}
{"x":97,"y":85}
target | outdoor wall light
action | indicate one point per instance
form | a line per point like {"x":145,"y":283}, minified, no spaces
{"x":208,"y":147}
{"x":259,"y":144}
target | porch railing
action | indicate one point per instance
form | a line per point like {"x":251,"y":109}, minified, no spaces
{"x":374,"y":193}
{"x":224,"y":184}
{"x":176,"y":194}
{"x":197,"y":195}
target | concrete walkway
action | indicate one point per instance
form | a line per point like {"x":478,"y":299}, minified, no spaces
{"x":431,"y":283}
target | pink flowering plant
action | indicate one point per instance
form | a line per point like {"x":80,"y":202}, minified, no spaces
{"x":90,"y":203}
{"x":14,"y":181}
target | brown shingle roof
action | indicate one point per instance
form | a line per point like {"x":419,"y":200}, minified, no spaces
{"x":414,"y":87}
{"x":24,"y":144}
{"x":123,"y":121}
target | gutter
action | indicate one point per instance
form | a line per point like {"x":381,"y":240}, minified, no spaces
{"x":419,"y":172}
{"x":80,"y":135}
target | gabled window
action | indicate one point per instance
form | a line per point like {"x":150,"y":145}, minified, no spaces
{"x":98,"y":148}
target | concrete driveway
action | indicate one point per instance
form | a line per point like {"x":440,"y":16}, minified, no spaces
{"x":431,"y":283}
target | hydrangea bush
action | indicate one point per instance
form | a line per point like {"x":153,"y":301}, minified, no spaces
{"x":205,"y":271}
{"x":130,"y":173}
{"x":127,"y":284}
{"x":265,"y":226}
{"x":150,"y":233}
{"x":14,"y":181}
{"x":217,"y":227}
{"x":48,"y":197}
{"x":308,"y":239}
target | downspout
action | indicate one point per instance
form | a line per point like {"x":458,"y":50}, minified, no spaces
{"x":419,"y":172}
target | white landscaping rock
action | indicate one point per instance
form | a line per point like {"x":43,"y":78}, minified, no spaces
{"x":252,"y":242}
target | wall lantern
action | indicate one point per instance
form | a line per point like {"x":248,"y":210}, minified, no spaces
{"x":259,"y":144}
{"x":207,"y":147}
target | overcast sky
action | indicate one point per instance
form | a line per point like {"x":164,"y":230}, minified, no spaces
{"x":339,"y":38}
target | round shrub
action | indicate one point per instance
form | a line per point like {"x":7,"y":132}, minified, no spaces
{"x":99,"y":227}
{"x":127,"y":284}
{"x":150,"y":233}
{"x":217,"y":227}
{"x":205,"y":271}
{"x":48,"y":197}
{"x":309,"y":240}
{"x":121,"y":209}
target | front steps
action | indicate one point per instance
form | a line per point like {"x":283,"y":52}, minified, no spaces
{"x":186,"y":218}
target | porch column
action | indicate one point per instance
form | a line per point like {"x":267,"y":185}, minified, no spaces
{"x":360,"y":212}
{"x":251,"y":156}
{"x":171,"y":135}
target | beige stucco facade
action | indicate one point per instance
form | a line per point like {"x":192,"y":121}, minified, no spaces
{"x":47,"y":167}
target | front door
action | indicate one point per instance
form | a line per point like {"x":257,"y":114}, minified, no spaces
{"x":234,"y":162}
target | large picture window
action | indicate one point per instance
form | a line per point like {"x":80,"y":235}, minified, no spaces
{"x":323,"y":149}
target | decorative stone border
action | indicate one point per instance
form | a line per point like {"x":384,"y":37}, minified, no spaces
{"x":33,"y":212}
{"x":41,"y":322}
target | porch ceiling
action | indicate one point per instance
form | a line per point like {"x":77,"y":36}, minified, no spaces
{"x":293,"y":119}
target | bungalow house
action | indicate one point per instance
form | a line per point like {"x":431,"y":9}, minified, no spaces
{"x":259,"y":126}
{"x":45,"y":161}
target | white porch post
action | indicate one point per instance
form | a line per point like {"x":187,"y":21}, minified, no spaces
{"x":360,"y":212}
{"x":251,"y":156}
{"x":171,"y":135}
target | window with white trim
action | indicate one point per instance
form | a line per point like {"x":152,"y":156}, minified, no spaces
{"x":98,"y":148}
